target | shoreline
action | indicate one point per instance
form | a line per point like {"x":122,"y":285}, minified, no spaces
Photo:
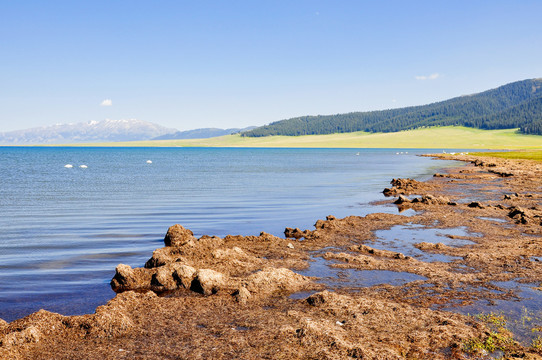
{"x":232,"y":295}
{"x":447,"y":137}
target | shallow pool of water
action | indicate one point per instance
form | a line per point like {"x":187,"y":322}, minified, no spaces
{"x":492,"y":219}
{"x":523,"y":313}
{"x":334,"y":277}
{"x":402,"y":238}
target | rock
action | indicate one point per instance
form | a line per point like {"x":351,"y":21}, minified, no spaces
{"x":295,"y":233}
{"x":377,"y":252}
{"x":207,"y":281}
{"x":402,"y":186}
{"x":476,"y":204}
{"x":324,"y":224}
{"x":519,"y":214}
{"x":405,"y":183}
{"x":501,"y":173}
{"x":178,"y":236}
{"x":127,"y":278}
{"x":268,"y":237}
{"x":163,"y":279}
{"x":168,"y":277}
{"x":161,"y":256}
{"x":389,"y":192}
{"x":430,"y":246}
{"x":479,"y":162}
{"x":320,"y":298}
{"x":402,"y":199}
{"x":170,"y":254}
{"x":289,"y":232}
{"x":242,"y":295}
{"x":433,"y":200}
{"x":270,"y":280}
{"x":184,"y":275}
{"x":3,"y":324}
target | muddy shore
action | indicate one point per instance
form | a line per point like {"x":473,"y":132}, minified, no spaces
{"x":382,"y":286}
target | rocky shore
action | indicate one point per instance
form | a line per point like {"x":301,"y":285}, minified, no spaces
{"x":462,"y":235}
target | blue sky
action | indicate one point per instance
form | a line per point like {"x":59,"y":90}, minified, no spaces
{"x":227,"y":64}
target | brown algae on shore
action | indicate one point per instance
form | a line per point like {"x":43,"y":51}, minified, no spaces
{"x":380,"y":286}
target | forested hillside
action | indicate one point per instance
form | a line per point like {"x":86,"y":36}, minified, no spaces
{"x":515,"y":105}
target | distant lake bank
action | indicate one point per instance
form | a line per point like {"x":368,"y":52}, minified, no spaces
{"x":437,"y":138}
{"x":65,"y":229}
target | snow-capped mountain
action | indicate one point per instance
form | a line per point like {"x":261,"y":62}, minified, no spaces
{"x":92,"y":131}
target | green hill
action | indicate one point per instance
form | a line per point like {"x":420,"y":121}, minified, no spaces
{"x":515,"y":105}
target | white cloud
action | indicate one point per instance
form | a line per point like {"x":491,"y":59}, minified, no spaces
{"x":107,"y":102}
{"x":429,"y":77}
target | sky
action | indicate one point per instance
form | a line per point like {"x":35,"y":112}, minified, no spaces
{"x":195,"y":64}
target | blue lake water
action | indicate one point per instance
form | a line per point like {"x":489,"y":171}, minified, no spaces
{"x":64,"y":230}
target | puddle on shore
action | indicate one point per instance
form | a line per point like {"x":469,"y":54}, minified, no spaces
{"x":401,"y":238}
{"x":492,"y":219}
{"x":302,"y":294}
{"x":523,"y":315}
{"x":340,"y":278}
{"x":385,"y":208}
{"x":469,"y":192}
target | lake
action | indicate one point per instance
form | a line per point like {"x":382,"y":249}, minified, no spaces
{"x":65,"y":229}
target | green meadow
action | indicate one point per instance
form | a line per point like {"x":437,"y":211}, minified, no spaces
{"x":519,"y":154}
{"x":450,"y":137}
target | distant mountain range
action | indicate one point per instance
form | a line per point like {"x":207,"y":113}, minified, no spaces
{"x":515,"y":105}
{"x":203,"y":133}
{"x":92,"y":131}
{"x":105,"y":131}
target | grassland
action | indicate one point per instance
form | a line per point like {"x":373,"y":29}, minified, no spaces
{"x":451,"y":137}
{"x":519,"y":154}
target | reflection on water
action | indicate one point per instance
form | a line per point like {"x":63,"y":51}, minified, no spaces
{"x":402,"y":238}
{"x":523,"y":313}
{"x":334,"y":277}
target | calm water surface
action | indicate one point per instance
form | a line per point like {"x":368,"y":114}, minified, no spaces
{"x":64,"y":230}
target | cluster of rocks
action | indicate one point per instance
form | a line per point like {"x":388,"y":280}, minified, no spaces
{"x":244,"y":276}
{"x":525,"y":216}
{"x":402,"y":186}
{"x":520,"y":214}
{"x":424,"y":199}
{"x":296,"y":233}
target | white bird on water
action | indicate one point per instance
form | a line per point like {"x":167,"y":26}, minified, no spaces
{"x":83,"y":166}
{"x":68,"y":166}
{"x":149,"y":162}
